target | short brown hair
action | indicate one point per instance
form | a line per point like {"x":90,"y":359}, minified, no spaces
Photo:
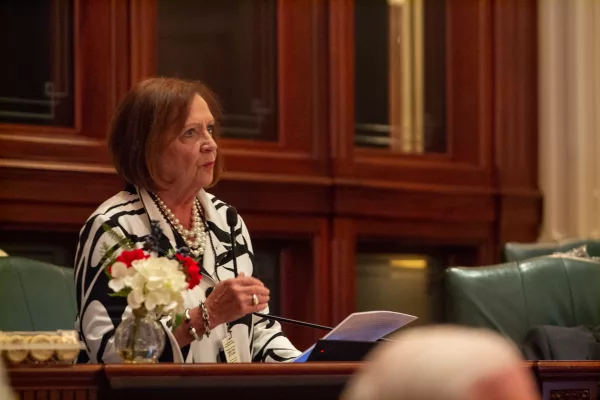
{"x":149,"y":118}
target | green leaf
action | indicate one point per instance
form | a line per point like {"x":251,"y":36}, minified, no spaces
{"x":121,"y":293}
{"x":121,"y":240}
{"x":179,"y":318}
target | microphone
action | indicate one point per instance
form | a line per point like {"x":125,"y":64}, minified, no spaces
{"x":232,"y":220}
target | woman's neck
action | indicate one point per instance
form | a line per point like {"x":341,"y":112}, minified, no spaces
{"x":180,"y":204}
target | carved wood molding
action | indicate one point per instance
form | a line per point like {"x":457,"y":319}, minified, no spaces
{"x":58,"y":194}
{"x":570,"y":394}
{"x":106,"y":381}
{"x":414,"y":204}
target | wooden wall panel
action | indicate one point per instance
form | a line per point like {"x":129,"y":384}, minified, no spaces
{"x":343,"y":263}
{"x":466,"y":243}
{"x":427,"y":203}
{"x":279,"y":194}
{"x":301,"y":148}
{"x":53,"y":199}
{"x":302,"y":144}
{"x":312,"y":186}
{"x":468,"y":161}
{"x":100,"y":76}
{"x":516,"y":122}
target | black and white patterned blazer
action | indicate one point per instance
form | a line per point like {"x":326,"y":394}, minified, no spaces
{"x":130,"y":212}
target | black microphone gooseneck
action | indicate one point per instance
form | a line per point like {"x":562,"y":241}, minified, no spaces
{"x":293,"y":321}
{"x":232,"y":220}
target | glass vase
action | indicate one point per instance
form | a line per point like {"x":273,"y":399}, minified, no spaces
{"x":140,"y":338}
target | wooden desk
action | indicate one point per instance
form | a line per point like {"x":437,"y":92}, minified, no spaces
{"x":314,"y":381}
{"x":568,"y":380}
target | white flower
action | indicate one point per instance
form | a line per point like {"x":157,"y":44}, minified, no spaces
{"x":156,"y":282}
{"x":135,"y":299}
{"x":157,"y":298}
{"x":121,"y":276}
{"x":116,"y":285}
{"x":138,"y":281}
{"x":176,"y":304}
{"x":119,"y":270}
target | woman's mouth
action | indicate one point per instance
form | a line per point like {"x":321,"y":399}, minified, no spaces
{"x":208,"y":164}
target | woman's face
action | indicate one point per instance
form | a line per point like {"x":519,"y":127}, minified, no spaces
{"x":187,"y":163}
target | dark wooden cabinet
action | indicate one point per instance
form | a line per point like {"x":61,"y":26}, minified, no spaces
{"x":310,"y":194}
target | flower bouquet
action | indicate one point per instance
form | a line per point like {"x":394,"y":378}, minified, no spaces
{"x":153,"y":281}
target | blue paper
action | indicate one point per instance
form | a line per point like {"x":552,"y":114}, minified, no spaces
{"x":304,"y":356}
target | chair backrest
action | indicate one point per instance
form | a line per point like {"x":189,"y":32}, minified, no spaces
{"x":35,"y":296}
{"x":514,"y":251}
{"x":514,"y":297}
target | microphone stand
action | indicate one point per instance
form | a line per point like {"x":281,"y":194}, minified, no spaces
{"x":307,"y":324}
{"x":294,"y":322}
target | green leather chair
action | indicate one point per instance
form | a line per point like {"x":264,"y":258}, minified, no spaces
{"x":514,"y":297}
{"x":522,"y":251}
{"x":35,"y":296}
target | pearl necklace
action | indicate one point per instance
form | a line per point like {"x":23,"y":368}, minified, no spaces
{"x":194,"y":238}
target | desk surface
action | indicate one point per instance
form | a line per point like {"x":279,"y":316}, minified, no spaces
{"x":253,"y":381}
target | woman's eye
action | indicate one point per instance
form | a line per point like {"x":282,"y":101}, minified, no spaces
{"x":189,"y":133}
{"x":211,"y":129}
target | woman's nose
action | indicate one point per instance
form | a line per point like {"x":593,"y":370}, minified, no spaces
{"x":209,"y":146}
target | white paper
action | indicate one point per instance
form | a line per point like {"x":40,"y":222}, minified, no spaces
{"x":368,"y":326}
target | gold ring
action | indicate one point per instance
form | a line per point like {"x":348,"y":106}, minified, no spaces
{"x":254,"y":300}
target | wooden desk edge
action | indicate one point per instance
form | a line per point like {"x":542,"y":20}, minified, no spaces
{"x":551,"y":375}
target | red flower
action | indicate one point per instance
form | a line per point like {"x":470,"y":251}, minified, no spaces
{"x":192,"y":270}
{"x":129,"y":256}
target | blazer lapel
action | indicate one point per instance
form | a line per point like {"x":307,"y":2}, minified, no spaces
{"x":215,"y":223}
{"x":154,"y":214}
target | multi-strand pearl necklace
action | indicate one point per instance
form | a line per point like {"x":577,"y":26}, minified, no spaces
{"x":194,"y":238}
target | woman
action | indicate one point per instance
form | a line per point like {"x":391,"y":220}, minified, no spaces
{"x":163,"y":143}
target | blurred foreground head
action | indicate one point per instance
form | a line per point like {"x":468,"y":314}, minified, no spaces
{"x":444,"y":362}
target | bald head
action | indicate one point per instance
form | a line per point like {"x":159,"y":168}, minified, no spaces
{"x":444,"y":362}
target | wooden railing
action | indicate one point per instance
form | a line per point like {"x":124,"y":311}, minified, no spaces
{"x":314,"y":381}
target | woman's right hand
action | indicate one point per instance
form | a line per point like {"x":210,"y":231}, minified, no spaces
{"x":232,"y":299}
